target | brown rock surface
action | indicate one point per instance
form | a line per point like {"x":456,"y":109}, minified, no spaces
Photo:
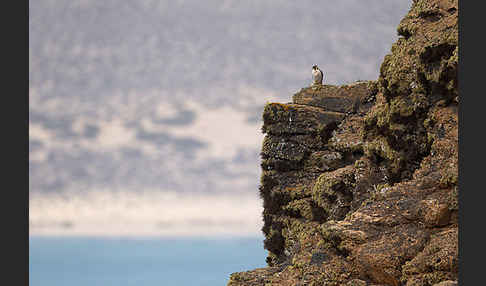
{"x":359,"y":182}
{"x":344,"y":99}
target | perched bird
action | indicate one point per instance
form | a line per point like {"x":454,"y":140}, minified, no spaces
{"x":316,"y":75}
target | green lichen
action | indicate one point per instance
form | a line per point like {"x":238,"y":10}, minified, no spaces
{"x":331,"y":237}
{"x":448,"y":178}
{"x":454,"y":199}
{"x":237,"y":277}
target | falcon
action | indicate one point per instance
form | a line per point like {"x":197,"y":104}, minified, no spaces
{"x":316,"y":75}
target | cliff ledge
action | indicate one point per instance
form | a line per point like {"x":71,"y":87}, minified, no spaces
{"x":359,"y":182}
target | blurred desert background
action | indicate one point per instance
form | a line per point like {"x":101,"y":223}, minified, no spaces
{"x":145,"y":116}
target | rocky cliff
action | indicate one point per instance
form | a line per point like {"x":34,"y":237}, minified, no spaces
{"x":359,"y":182}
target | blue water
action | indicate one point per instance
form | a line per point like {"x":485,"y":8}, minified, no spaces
{"x":142,"y":262}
